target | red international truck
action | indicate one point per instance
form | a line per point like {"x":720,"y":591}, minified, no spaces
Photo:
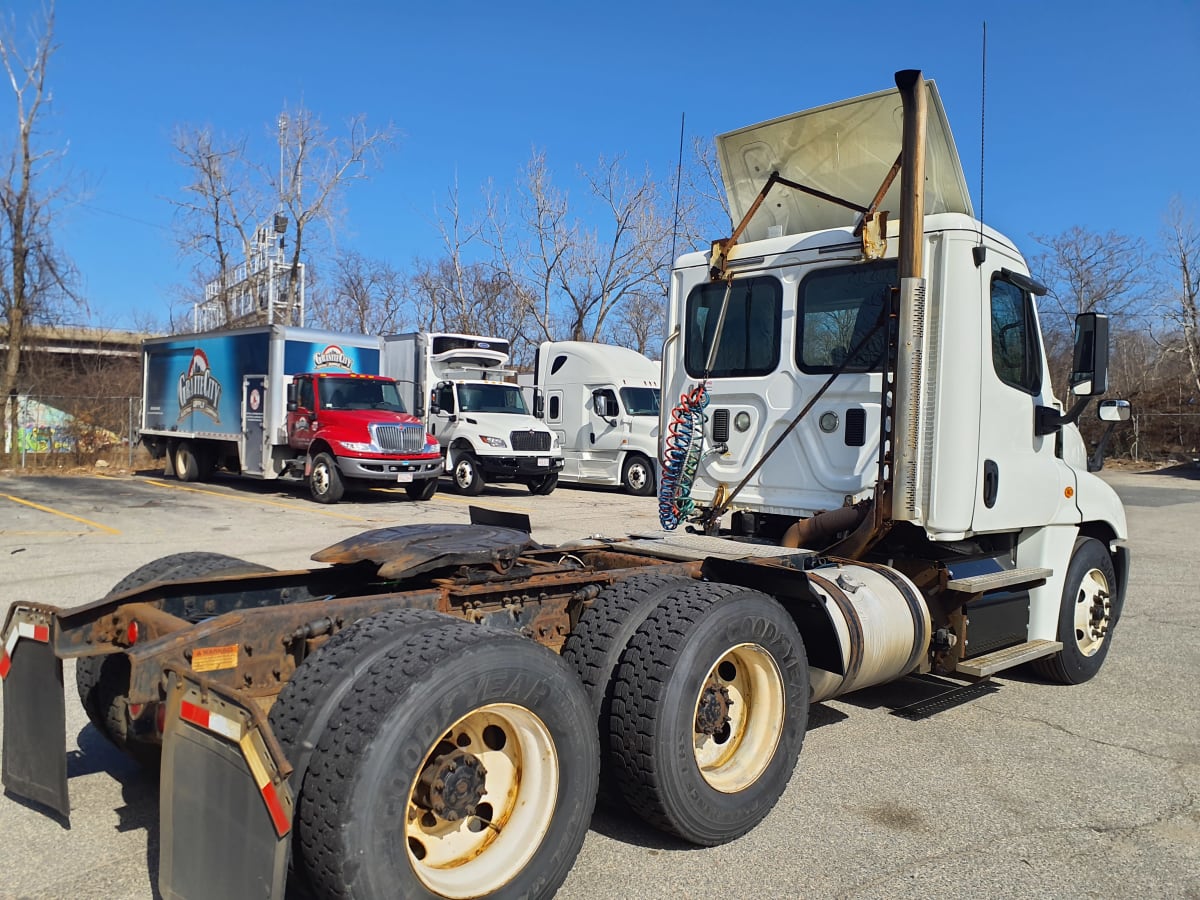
{"x":280,"y":402}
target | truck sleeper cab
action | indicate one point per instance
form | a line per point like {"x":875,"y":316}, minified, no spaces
{"x":603,"y":404}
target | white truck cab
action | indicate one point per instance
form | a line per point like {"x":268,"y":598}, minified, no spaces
{"x":863,"y":374}
{"x":457,"y":382}
{"x":603,"y":404}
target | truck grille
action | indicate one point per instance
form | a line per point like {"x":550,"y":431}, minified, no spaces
{"x":400,"y":438}
{"x":530,"y":440}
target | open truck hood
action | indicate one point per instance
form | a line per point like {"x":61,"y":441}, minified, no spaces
{"x":844,"y":149}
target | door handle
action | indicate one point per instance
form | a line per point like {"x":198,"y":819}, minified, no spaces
{"x":991,"y":483}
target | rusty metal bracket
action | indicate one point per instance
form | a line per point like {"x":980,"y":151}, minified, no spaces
{"x":719,"y":261}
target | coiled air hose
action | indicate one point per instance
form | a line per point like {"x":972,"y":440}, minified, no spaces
{"x":681,"y":457}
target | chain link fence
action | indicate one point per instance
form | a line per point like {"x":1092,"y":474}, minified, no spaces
{"x":54,"y":432}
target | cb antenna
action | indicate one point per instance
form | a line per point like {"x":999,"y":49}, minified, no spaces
{"x":678,"y":181}
{"x":979,"y":252}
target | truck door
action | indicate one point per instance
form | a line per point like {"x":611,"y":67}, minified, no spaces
{"x":301,"y":418}
{"x":604,"y":418}
{"x":254,"y":403}
{"x":1018,"y":482}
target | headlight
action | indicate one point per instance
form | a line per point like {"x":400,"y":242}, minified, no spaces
{"x":493,"y":441}
{"x":356,"y":447}
{"x":431,"y":445}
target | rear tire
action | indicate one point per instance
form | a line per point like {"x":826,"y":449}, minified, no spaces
{"x":325,"y":479}
{"x":468,"y":479}
{"x":542,"y":484}
{"x":637,"y":476}
{"x":187,"y":464}
{"x":709,"y":712}
{"x":594,"y":647}
{"x":103,"y":681}
{"x":1085,"y":617}
{"x":423,"y":489}
{"x":303,"y":708}
{"x":451,"y":729}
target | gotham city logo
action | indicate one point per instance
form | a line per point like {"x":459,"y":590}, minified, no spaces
{"x":332,"y":357}
{"x":199,"y":391}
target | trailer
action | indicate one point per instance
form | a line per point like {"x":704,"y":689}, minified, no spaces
{"x":281,"y":402}
{"x":602,"y":402}
{"x":432,"y":709}
{"x":460,"y":384}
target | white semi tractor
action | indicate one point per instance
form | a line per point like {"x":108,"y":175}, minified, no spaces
{"x":603,"y":404}
{"x":879,"y":483}
{"x":458,"y":383}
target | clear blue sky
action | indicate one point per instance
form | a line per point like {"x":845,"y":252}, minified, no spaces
{"x":1093,"y":109}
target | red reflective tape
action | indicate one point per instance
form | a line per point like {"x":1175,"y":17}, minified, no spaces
{"x":5,"y":664}
{"x":41,"y":633}
{"x":275,"y":808}
{"x":197,"y":715}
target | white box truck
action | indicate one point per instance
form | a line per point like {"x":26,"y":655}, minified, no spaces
{"x":457,"y":383}
{"x":602,"y":402}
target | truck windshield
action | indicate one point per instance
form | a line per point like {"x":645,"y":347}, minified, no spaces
{"x":491,"y":398}
{"x":640,"y":401}
{"x":360,"y":393}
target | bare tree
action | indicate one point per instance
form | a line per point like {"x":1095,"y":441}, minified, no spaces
{"x":316,"y":168}
{"x":215,"y":219}
{"x":222,"y":221}
{"x":639,"y":324}
{"x":1085,"y":271}
{"x":1182,"y":240}
{"x":35,"y":278}
{"x":575,"y":277}
{"x":369,"y":296}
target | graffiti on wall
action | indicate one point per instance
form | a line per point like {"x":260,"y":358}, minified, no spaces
{"x":45,"y":429}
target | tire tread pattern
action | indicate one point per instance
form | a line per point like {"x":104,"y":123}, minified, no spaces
{"x":390,"y":680}
{"x":641,"y":682}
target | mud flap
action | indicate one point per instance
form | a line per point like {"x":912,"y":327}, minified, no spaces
{"x":224,"y":811}
{"x":35,"y":714}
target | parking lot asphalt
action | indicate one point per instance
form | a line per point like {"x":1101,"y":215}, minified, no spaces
{"x":1029,"y":790}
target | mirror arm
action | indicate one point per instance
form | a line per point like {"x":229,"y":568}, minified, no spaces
{"x":1096,"y":460}
{"x":1072,"y":415}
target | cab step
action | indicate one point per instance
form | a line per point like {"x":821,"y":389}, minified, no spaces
{"x":1009,"y":657}
{"x":979,"y":584}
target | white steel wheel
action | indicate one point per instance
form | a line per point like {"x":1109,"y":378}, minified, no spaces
{"x":1087,"y":615}
{"x":739,"y":718}
{"x":1093,"y":612}
{"x":482,"y":801}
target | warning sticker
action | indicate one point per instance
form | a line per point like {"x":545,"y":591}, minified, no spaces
{"x":211,"y":659}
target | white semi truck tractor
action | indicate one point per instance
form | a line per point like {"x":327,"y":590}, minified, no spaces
{"x":876,"y":481}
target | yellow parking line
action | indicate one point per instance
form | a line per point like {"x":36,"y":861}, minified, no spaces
{"x":56,"y":512}
{"x":225,"y":496}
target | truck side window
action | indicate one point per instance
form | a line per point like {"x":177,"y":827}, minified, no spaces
{"x":554,"y":408}
{"x":750,"y":337}
{"x":304,"y":394}
{"x":839,"y":309}
{"x":1015,"y":355}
